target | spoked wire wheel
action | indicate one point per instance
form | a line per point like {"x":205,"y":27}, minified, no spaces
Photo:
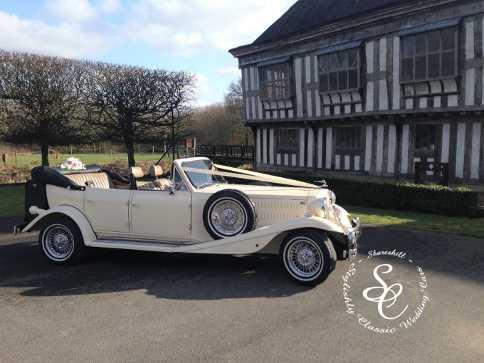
{"x":58,"y":242}
{"x":304,"y":258}
{"x":308,"y":256}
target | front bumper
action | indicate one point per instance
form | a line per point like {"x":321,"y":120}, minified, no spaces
{"x":353,"y":238}
{"x":346,"y":244}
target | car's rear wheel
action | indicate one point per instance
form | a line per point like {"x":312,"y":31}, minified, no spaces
{"x":308,"y":256}
{"x":228,"y":213}
{"x":60,"y":241}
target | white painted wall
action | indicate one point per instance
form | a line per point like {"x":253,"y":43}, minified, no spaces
{"x":264,"y":145}
{"x":329,"y":147}
{"x":476,"y":150}
{"x":379,"y":148}
{"x":470,"y":75}
{"x":357,"y":163}
{"x":320,"y":148}
{"x":298,"y":81}
{"x":369,"y":147}
{"x":271,"y":146}
{"x":302,"y":140}
{"x":445,"y":143}
{"x":310,"y":148}
{"x":337,"y":162}
{"x":405,"y":148}
{"x":392,"y":148}
{"x":460,"y":150}
{"x":370,"y":87}
{"x":347,"y":162}
{"x":396,"y":73}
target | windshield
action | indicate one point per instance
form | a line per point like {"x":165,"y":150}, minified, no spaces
{"x":200,"y":173}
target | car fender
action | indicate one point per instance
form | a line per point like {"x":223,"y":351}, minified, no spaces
{"x":260,"y":238}
{"x":69,"y":211}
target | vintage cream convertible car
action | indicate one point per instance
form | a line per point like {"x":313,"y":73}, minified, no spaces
{"x":203,"y":208}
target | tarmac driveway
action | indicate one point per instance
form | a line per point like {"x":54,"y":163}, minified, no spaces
{"x":140,"y":307}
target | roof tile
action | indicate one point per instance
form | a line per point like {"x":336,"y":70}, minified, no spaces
{"x":308,"y":15}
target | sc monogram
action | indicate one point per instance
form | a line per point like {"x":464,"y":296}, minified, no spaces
{"x":384,"y":296}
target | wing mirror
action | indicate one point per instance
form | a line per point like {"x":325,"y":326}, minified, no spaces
{"x":171,"y":190}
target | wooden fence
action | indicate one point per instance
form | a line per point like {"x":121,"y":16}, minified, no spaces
{"x":237,"y":154}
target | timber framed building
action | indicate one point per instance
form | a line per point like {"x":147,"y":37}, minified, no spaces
{"x":369,"y":87}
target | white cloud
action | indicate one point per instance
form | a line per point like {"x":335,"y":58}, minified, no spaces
{"x":229,"y":71}
{"x":202,"y":24}
{"x":202,"y":90}
{"x":72,"y":10}
{"x":110,"y":6}
{"x":197,"y":28}
{"x":164,"y":37}
{"x":189,"y":39}
{"x":66,"y":40}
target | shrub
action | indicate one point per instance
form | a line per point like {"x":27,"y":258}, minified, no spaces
{"x":435,"y":199}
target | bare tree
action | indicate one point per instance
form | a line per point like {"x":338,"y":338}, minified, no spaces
{"x":39,"y":100}
{"x":132,"y":104}
{"x":234,"y":96}
{"x":209,"y":125}
{"x":222,"y":123}
{"x":240,"y":134}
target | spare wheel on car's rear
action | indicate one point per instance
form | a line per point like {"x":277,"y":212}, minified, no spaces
{"x":228,"y":213}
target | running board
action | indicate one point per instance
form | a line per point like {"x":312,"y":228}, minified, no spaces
{"x":169,"y":247}
{"x":243,"y":244}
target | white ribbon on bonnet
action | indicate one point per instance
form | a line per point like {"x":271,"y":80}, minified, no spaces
{"x":229,"y":172}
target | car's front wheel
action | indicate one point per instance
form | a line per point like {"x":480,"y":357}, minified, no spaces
{"x":60,"y":241}
{"x":308,"y":256}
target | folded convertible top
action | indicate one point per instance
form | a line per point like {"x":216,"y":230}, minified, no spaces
{"x":57,"y":177}
{"x":51,"y":176}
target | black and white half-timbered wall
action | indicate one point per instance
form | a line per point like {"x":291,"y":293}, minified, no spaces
{"x":370,"y":87}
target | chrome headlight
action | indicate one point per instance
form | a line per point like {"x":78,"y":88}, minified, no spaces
{"x":332,"y":197}
{"x":318,"y":207}
{"x":324,"y":205}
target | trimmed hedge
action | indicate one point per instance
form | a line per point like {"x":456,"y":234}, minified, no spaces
{"x":434,"y":199}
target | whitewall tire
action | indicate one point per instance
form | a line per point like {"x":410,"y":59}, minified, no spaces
{"x":60,"y":240}
{"x":308,"y":256}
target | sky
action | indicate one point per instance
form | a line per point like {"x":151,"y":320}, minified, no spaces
{"x":188,"y":35}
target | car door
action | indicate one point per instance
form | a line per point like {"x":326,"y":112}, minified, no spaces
{"x":163,"y":216}
{"x":108,"y":211}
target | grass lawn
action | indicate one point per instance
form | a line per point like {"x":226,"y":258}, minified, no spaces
{"x":31,"y":160}
{"x":12,"y":201}
{"x":472,"y":227}
{"x":12,"y":204}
